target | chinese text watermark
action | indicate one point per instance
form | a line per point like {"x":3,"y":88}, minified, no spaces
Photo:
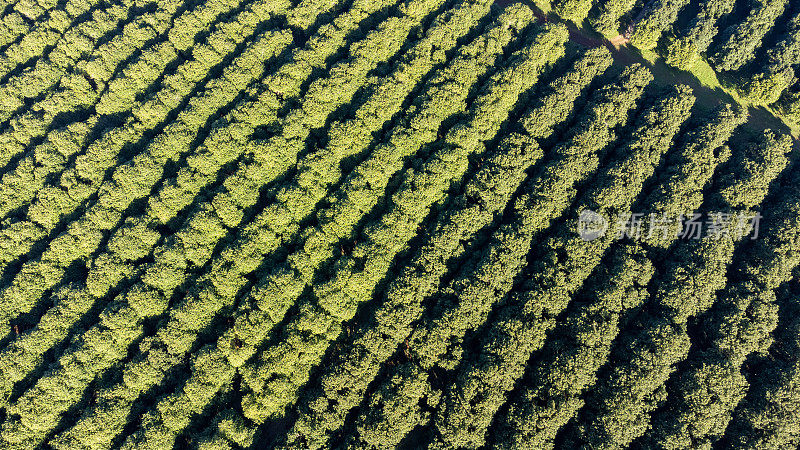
{"x":641,"y":226}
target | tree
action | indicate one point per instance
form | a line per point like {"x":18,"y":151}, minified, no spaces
{"x":765,"y":88}
{"x":162,"y":278}
{"x":572,"y":10}
{"x":484,"y":380}
{"x":699,"y":400}
{"x":570,"y":358}
{"x":786,"y":52}
{"x":276,"y":375}
{"x":553,"y":390}
{"x":686,"y":45}
{"x":742,"y":39}
{"x":345,"y":383}
{"x":79,"y":77}
{"x":789,"y":106}
{"x":485,"y":282}
{"x":607,"y":20}
{"x":768,"y":416}
{"x":656,"y":18}
{"x":267,"y":302}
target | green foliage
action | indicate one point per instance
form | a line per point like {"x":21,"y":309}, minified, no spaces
{"x":768,"y":418}
{"x":648,"y":357}
{"x":758,"y":165}
{"x":48,"y":27}
{"x":739,"y":324}
{"x":348,"y":223}
{"x":685,"y":47}
{"x":610,"y":12}
{"x":129,"y":182}
{"x":102,"y":154}
{"x":689,"y":171}
{"x":252,"y":325}
{"x":467,"y":300}
{"x":12,"y":25}
{"x":786,"y":52}
{"x":573,"y":10}
{"x":66,"y":76}
{"x":156,"y":275}
{"x":472,"y":294}
{"x":742,"y":39}
{"x":235,"y":356}
{"x":553,"y":394}
{"x":789,"y":106}
{"x":578,"y":348}
{"x":657,"y":18}
{"x":279,"y":371}
{"x":485,"y":379}
{"x":766,"y":88}
{"x":557,"y":105}
{"x":682,"y":53}
{"x":395,"y":409}
{"x":484,"y":195}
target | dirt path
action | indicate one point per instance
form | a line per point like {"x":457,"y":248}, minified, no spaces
{"x":625,"y":55}
{"x":618,"y":40}
{"x":575,"y":34}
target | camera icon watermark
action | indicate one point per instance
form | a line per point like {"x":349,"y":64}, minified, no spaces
{"x":591,"y":225}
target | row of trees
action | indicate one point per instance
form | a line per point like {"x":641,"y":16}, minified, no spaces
{"x":129,"y":182}
{"x":13,"y":24}
{"x":469,"y":298}
{"x":360,"y":229}
{"x":227,"y":427}
{"x":269,"y":297}
{"x":323,"y":410}
{"x":83,"y":237}
{"x":389,"y":414}
{"x":768,"y":416}
{"x":478,"y":286}
{"x":688,"y":171}
{"x":31,"y":10}
{"x":47,"y":73}
{"x":619,"y":408}
{"x":766,"y":85}
{"x":741,"y":39}
{"x":684,"y":43}
{"x":136,"y":230}
{"x":202,"y":386}
{"x":568,"y":365}
{"x":702,"y":397}
{"x":656,"y":18}
{"x":83,"y":179}
{"x":493,"y":96}
{"x":786,"y":53}
{"x":608,"y":15}
{"x":223,"y":39}
{"x":260,"y":238}
{"x":161,"y":277}
{"x":176,"y":193}
{"x":275,"y":377}
{"x":76,"y":93}
{"x":519,"y":328}
{"x":49,"y":26}
{"x":63,"y":66}
{"x":572,"y":10}
{"x":685,"y":46}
